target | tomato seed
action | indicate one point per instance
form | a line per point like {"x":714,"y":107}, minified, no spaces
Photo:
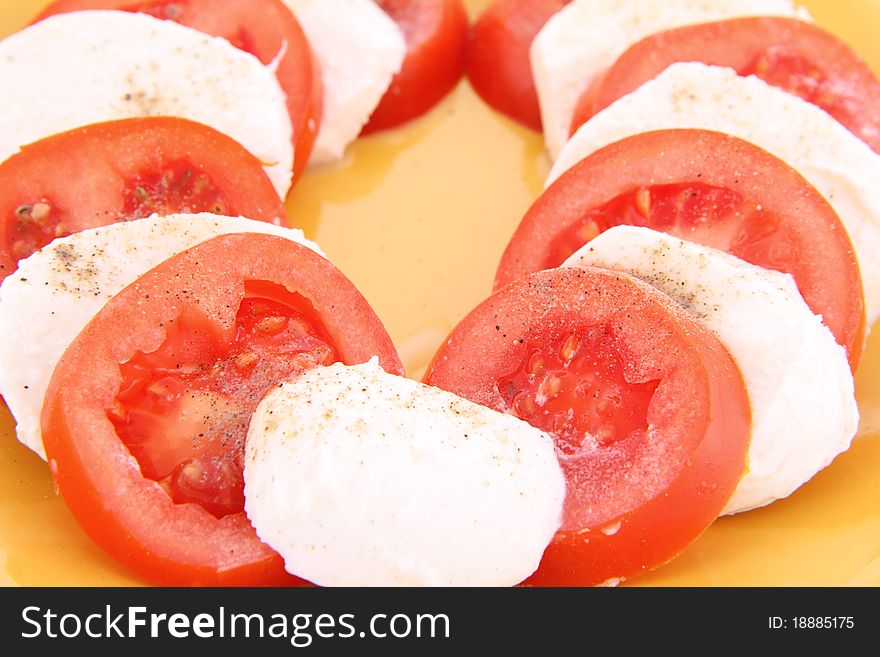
{"x":605,"y":433}
{"x":40,"y":212}
{"x":524,"y":405}
{"x":536,"y":364}
{"x":762,"y":66}
{"x":569,"y":348}
{"x":588,"y":231}
{"x":190,"y":472}
{"x":643,"y":202}
{"x":117,"y":412}
{"x":606,"y":408}
{"x":160,"y":388}
{"x":826,"y":99}
{"x":246,"y":361}
{"x":272,"y":325}
{"x":550,"y":386}
{"x":21,"y":250}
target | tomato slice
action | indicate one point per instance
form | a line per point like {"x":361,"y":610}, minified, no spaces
{"x":436,"y":35}
{"x":713,"y":189}
{"x":796,"y":56}
{"x":648,"y":411}
{"x":499,"y":67}
{"x":146,"y":416}
{"x":264,"y":28}
{"x":123,"y":170}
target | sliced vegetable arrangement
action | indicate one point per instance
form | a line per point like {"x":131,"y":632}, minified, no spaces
{"x":499,"y":67}
{"x":793,"y":55}
{"x":145,"y":427}
{"x":383,"y":63}
{"x":649,"y":412}
{"x":106,"y":76}
{"x":564,"y":63}
{"x":692,"y":95}
{"x":72,"y":278}
{"x":265,"y":29}
{"x":794,"y":368}
{"x":399,"y":482}
{"x":672,"y":335}
{"x":136,"y":168}
{"x":436,"y":33}
{"x":709,"y":188}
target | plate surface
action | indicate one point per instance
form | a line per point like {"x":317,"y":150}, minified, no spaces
{"x":418,"y":219}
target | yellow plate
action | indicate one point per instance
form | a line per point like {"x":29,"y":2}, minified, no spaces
{"x":418,"y":219}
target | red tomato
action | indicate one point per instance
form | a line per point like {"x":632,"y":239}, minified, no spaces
{"x":499,"y":67}
{"x":436,"y":34}
{"x":798,"y":57}
{"x":648,"y":411}
{"x":709,"y":188}
{"x":123,"y":170}
{"x":263,"y":28}
{"x":147,"y":412}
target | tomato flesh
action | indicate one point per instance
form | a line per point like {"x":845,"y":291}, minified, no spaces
{"x":648,"y":412}
{"x":709,"y":188}
{"x":789,"y":70}
{"x":574,"y":387}
{"x":499,"y":67}
{"x":34,"y":225}
{"x":713,"y":216}
{"x":177,"y":188}
{"x":264,"y":28}
{"x":123,"y":170}
{"x":186,"y":422}
{"x":793,"y":55}
{"x":436,"y":34}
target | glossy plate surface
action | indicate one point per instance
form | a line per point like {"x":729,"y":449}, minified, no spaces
{"x":418,"y":219}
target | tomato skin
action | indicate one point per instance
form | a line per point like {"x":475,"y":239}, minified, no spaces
{"x":261,"y":27}
{"x":88,"y":175}
{"x":499,"y":67}
{"x":700,"y":410}
{"x":436,"y":33}
{"x":839,"y":81}
{"x":127,"y":514}
{"x":824,"y":266}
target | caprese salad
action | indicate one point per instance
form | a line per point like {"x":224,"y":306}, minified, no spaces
{"x":672,"y":336}
{"x":294,"y":81}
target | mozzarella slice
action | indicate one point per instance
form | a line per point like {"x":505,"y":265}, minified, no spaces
{"x":86,"y":67}
{"x":55,"y":292}
{"x":689,"y":95}
{"x":361,"y":478}
{"x":799,"y":383}
{"x":359,"y":49}
{"x":586,"y":37}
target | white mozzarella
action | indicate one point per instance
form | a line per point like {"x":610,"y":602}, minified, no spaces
{"x":359,"y":49}
{"x":361,"y":478}
{"x":86,"y":67}
{"x":55,"y":292}
{"x":690,"y":95}
{"x":798,"y":379}
{"x":585,"y":38}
